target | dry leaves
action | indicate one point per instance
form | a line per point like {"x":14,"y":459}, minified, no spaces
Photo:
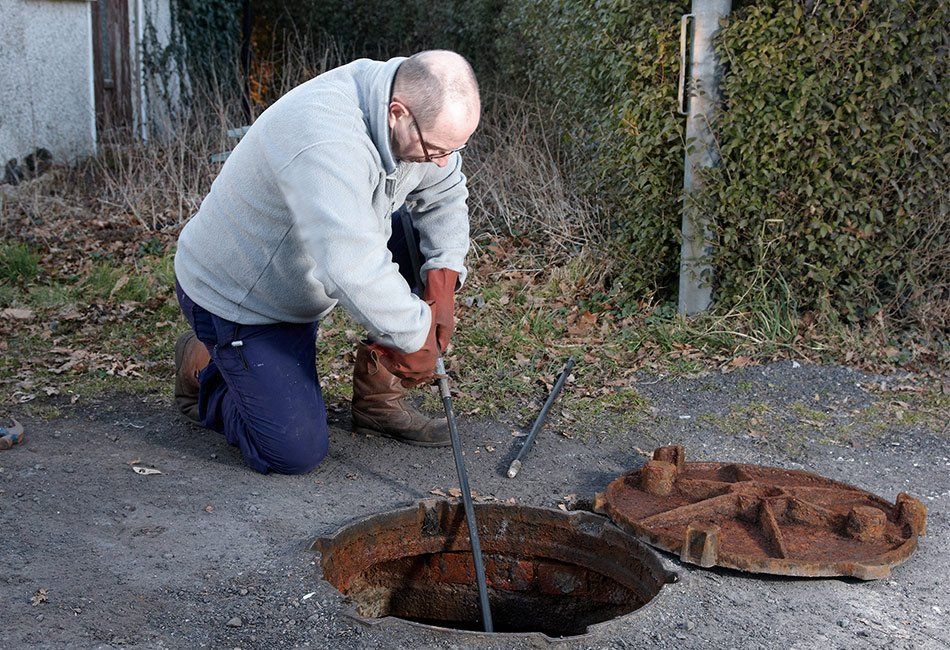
{"x":581,"y":324}
{"x":81,"y":360}
{"x":456,"y":493}
{"x":121,"y":282}
{"x":17,"y":313}
{"x":39,"y":597}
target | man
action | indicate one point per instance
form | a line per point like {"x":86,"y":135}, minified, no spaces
{"x":300,"y":219}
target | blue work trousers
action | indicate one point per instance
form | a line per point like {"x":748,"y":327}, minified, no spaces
{"x":261,"y":388}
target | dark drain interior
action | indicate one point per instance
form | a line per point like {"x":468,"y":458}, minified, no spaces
{"x":548,"y":571}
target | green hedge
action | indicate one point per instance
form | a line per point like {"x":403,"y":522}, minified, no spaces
{"x":835,"y":150}
{"x":834,"y":144}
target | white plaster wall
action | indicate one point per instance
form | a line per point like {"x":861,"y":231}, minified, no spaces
{"x":46,"y":95}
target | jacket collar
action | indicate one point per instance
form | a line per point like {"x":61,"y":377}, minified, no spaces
{"x":377,"y":92}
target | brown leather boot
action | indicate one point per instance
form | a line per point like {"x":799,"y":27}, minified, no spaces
{"x":380,"y":407}
{"x":191,"y":356}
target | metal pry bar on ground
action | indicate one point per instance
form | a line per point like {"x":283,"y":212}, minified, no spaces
{"x":515,"y":466}
{"x":11,"y":436}
{"x":466,"y":495}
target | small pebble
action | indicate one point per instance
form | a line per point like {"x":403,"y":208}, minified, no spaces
{"x":235,"y":622}
{"x":40,"y":617}
{"x":243,"y":592}
{"x":843,"y":622}
{"x":168,"y":556}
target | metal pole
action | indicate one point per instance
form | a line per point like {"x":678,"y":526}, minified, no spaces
{"x":702,"y":98}
{"x":515,"y":466}
{"x":466,"y":495}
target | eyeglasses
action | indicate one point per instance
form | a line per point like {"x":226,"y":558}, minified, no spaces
{"x":430,"y":157}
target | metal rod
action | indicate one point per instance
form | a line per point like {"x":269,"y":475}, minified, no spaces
{"x":515,"y":466}
{"x":466,"y":495}
{"x":443,"y":380}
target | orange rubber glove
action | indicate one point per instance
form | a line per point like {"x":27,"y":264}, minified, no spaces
{"x":440,"y":293}
{"x":413,"y":368}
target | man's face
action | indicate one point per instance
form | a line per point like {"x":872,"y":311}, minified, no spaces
{"x":410,"y":143}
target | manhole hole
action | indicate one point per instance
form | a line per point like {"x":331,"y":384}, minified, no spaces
{"x":548,"y":571}
{"x":763,"y":519}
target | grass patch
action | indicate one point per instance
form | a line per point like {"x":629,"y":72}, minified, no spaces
{"x":101,"y":328}
{"x":18,"y":263}
{"x":926,"y":407}
{"x":53,"y":296}
{"x":782,"y":428}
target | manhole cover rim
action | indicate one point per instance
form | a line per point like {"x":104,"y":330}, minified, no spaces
{"x":349,"y":608}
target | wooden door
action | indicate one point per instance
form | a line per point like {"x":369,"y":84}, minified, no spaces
{"x":110,"y":44}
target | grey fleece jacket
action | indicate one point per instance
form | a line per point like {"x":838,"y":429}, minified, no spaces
{"x":299,"y":216}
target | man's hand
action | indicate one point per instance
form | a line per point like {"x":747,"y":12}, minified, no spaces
{"x":413,"y":368}
{"x":440,"y":294}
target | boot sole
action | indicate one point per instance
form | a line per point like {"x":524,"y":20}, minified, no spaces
{"x":414,"y":443}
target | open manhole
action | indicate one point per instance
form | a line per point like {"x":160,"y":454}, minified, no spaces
{"x":548,"y":571}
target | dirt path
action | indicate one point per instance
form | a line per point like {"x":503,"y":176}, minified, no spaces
{"x":168,"y":560}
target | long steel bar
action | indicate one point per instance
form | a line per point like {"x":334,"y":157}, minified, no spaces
{"x":466,"y":495}
{"x":515,"y":466}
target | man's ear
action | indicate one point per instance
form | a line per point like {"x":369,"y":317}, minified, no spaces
{"x":396,"y":110}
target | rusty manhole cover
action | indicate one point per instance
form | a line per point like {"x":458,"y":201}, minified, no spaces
{"x":762,"y":519}
{"x":548,"y":571}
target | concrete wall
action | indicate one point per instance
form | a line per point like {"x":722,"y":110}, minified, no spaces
{"x":46,"y":93}
{"x":46,"y":76}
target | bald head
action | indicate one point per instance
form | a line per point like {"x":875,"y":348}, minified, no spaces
{"x":438,"y":86}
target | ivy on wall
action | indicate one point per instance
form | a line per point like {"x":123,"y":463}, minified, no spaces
{"x":203,"y":45}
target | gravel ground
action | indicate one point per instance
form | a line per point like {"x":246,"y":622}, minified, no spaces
{"x":210,"y":554}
